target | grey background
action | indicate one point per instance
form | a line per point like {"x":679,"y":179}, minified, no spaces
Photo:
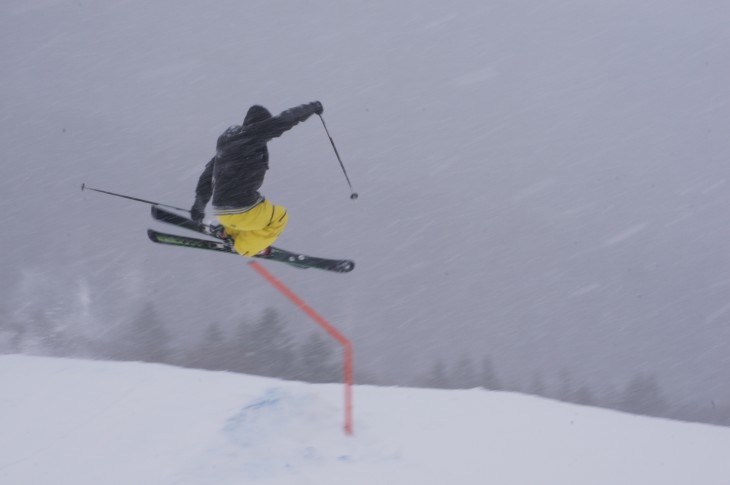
{"x":542,"y":182}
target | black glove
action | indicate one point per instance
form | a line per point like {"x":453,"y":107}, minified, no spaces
{"x":318,"y":108}
{"x":197,"y":213}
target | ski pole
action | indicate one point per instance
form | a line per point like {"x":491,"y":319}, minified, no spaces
{"x":353,"y":194}
{"x":84,"y":187}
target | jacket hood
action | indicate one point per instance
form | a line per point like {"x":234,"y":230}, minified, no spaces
{"x":255,"y":114}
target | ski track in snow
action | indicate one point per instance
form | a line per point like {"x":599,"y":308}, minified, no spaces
{"x":278,"y":434}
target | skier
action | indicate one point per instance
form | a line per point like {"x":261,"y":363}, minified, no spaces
{"x":235,"y":174}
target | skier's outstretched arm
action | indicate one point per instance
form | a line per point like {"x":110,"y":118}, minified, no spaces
{"x":286,"y":120}
{"x":203,"y":192}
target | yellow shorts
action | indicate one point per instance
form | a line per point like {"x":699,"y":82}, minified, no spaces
{"x":255,"y":229}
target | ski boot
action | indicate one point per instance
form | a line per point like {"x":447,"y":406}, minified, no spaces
{"x":219,"y":232}
{"x":264,"y":252}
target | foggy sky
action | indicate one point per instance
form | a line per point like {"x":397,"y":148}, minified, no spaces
{"x":542,"y":182}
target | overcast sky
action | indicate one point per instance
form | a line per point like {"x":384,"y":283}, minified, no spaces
{"x":542,"y":182}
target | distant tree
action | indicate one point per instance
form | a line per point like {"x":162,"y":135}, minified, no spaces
{"x":701,"y":410}
{"x":487,"y":377}
{"x":60,"y":341}
{"x":316,"y":358}
{"x":437,"y":377}
{"x":584,"y":395}
{"x":271,"y":331}
{"x":566,"y":388}
{"x":608,"y":395}
{"x":143,"y":338}
{"x":643,"y":395}
{"x":537,"y":385}
{"x":241,"y":351}
{"x":11,"y":334}
{"x":37,"y":334}
{"x":264,"y":348}
{"x":721,"y":414}
{"x":463,"y":375}
{"x":212,"y":352}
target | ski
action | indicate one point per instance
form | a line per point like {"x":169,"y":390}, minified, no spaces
{"x":224,"y":244}
{"x":277,"y":254}
{"x":168,"y":217}
{"x":189,"y":242}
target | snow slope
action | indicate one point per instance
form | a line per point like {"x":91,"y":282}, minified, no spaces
{"x":81,"y":422}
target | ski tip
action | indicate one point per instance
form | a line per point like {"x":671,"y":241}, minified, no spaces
{"x":346,"y":266}
{"x":83,"y":186}
{"x":151,"y":235}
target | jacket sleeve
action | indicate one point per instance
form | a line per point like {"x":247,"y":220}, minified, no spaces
{"x":286,"y":120}
{"x":204,"y":189}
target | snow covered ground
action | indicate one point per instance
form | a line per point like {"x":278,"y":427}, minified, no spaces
{"x":82,"y":422}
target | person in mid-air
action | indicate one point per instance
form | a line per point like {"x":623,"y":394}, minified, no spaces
{"x":235,"y":174}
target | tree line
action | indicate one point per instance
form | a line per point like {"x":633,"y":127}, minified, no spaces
{"x":642,"y":394}
{"x":264,"y":346}
{"x":260,"y":346}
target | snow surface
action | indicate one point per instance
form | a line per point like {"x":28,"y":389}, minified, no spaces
{"x":83,"y":422}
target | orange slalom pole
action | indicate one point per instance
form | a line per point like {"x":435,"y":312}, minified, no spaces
{"x":331,"y":330}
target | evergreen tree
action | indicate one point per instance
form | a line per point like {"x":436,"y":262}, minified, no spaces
{"x":11,"y":334}
{"x":464,"y":376}
{"x":437,"y":378}
{"x":488,"y":378}
{"x":643,"y":395}
{"x":537,"y":385}
{"x":37,"y":333}
{"x":143,"y":338}
{"x":584,"y":395}
{"x":241,"y":351}
{"x":212,"y":352}
{"x":265,"y":348}
{"x":59,"y":341}
{"x":609,"y":395}
{"x":566,"y":388}
{"x":317,"y":360}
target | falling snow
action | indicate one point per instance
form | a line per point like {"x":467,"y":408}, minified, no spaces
{"x":540,"y":183}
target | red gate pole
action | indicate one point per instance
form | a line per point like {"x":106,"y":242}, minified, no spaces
{"x":334,"y":333}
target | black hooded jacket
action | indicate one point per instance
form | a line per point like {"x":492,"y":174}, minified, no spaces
{"x":235,"y":174}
